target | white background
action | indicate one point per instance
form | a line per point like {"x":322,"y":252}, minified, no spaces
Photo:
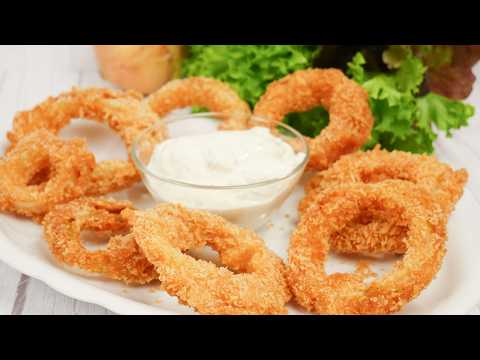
{"x":29,"y":74}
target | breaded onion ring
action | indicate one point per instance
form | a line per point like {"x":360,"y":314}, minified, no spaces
{"x":213,"y":94}
{"x":342,"y":293}
{"x":42,"y":171}
{"x":351,"y":120}
{"x":124,"y":112}
{"x":255,"y":283}
{"x":445,"y":184}
{"x":370,"y":234}
{"x":121,"y":260}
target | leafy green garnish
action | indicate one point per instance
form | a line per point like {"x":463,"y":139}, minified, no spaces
{"x":445,"y":113}
{"x":404,"y":121}
{"x":433,"y":56}
{"x":309,"y":122}
{"x":199,"y":109}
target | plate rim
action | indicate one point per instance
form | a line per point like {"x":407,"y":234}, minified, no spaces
{"x":84,"y":291}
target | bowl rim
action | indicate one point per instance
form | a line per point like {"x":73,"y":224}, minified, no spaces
{"x":174,"y":117}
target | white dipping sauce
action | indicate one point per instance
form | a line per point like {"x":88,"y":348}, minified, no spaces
{"x":226,"y":158}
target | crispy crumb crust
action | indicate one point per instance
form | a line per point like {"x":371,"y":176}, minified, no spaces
{"x":341,"y":293}
{"x":445,"y":184}
{"x":374,"y":234}
{"x":124,"y":112}
{"x":254,"y":282}
{"x":62,"y":170}
{"x":213,"y":94}
{"x":121,"y":260}
{"x":351,"y":120}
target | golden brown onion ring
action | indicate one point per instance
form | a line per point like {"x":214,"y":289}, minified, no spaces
{"x":445,"y":184}
{"x":370,"y":234}
{"x":124,"y":112}
{"x":253,"y":284}
{"x":42,"y":171}
{"x":342,"y":293}
{"x":121,"y":260}
{"x":351,"y":120}
{"x":213,"y":94}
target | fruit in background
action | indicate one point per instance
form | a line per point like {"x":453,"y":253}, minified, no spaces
{"x":144,"y":68}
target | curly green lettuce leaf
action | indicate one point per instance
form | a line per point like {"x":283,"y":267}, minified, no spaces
{"x":356,"y":68}
{"x":404,"y":121}
{"x":445,"y":113}
{"x":433,"y":56}
{"x":402,"y":82}
{"x":309,"y":123}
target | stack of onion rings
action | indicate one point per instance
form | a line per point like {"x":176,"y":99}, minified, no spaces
{"x":124,"y":112}
{"x":215,"y":95}
{"x":341,"y":293}
{"x":351,"y":120}
{"x":42,"y":171}
{"x":254,"y":285}
{"x":369,"y":234}
{"x":121,"y":260}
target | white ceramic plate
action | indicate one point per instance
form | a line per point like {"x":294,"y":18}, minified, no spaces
{"x":454,"y":291}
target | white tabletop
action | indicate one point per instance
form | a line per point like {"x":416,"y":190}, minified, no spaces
{"x":28,"y":74}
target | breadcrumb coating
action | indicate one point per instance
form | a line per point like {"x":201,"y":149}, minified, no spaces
{"x":42,"y":171}
{"x":121,"y":260}
{"x":254,"y":282}
{"x":124,"y":112}
{"x":213,"y":94}
{"x":351,"y":120}
{"x":342,"y":293}
{"x":371,"y":234}
{"x":377,"y":165}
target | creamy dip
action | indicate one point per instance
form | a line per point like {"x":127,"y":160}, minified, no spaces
{"x":225,"y":158}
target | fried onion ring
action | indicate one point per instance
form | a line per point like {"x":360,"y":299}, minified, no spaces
{"x":370,"y":234}
{"x":213,"y":94}
{"x":121,"y":260}
{"x":42,"y":171}
{"x":351,"y":120}
{"x":445,"y":184}
{"x":124,"y":112}
{"x":255,"y":283}
{"x":342,"y":293}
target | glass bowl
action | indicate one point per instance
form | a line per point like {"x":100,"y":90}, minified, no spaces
{"x":247,"y":205}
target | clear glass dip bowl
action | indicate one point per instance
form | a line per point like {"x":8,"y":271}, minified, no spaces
{"x":257,"y":200}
